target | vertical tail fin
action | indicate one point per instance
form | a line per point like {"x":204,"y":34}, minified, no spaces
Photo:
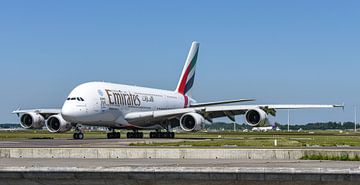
{"x":187,"y":77}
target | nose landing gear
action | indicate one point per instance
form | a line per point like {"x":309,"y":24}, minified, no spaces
{"x":78,"y":135}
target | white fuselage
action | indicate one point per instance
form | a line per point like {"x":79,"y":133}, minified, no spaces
{"x":106,"y":104}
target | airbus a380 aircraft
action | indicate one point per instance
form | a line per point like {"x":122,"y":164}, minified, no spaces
{"x":118,"y":106}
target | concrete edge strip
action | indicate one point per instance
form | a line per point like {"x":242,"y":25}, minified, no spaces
{"x":184,"y":148}
{"x":187,"y":170}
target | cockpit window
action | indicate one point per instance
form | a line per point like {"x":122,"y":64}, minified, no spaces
{"x":76,"y":98}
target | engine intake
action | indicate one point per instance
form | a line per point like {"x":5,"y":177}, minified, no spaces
{"x":192,"y":122}
{"x":32,"y":120}
{"x":256,"y":117}
{"x":56,"y":123}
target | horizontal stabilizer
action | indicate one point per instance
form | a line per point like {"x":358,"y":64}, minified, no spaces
{"x":219,"y":102}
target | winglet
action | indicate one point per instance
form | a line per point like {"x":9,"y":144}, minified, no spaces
{"x":342,"y":106}
{"x":17,"y":111}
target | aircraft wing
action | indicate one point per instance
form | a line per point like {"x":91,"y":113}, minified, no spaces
{"x":220,"y":111}
{"x":45,"y":112}
{"x":232,"y":110}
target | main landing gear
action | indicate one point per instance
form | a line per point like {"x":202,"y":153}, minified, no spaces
{"x":78,"y":135}
{"x":162,"y":135}
{"x":113,"y":134}
{"x":135,"y":134}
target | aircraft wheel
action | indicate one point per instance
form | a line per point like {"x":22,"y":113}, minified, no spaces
{"x":80,"y":136}
{"x":136,"y":135}
{"x":152,"y":135}
{"x":113,"y":135}
{"x":165,"y":135}
{"x":172,"y":134}
{"x":162,"y":135}
{"x":139,"y":135}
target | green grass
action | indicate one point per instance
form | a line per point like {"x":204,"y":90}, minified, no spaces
{"x":216,"y":139}
{"x":258,"y":142}
{"x":261,"y":139}
{"x":343,"y":157}
{"x":31,"y":134}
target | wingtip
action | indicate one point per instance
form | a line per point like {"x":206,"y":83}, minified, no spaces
{"x":15,"y":111}
{"x":340,"y":106}
{"x":195,"y":42}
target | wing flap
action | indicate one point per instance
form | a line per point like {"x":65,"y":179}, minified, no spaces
{"x":274,"y":106}
{"x":220,"y":102}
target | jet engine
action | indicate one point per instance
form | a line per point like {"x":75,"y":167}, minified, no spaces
{"x":192,"y":122}
{"x":56,"y":123}
{"x":256,"y":117}
{"x":32,"y":120}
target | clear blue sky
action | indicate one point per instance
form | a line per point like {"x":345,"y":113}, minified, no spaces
{"x":274,"y":51}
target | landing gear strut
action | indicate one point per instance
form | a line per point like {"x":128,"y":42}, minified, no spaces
{"x":78,"y":135}
{"x":135,"y":134}
{"x":113,"y":134}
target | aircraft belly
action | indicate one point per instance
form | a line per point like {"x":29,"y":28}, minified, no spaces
{"x":125,"y":126}
{"x":154,"y":123}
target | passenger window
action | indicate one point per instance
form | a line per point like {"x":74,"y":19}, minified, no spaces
{"x":73,"y":98}
{"x":67,"y":98}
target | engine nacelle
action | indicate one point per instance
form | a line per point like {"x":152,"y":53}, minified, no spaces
{"x":192,"y":122}
{"x":56,"y":123}
{"x":256,"y":117}
{"x":32,"y":120}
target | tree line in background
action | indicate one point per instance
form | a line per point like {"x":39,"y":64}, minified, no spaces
{"x":309,"y":126}
{"x":320,"y":126}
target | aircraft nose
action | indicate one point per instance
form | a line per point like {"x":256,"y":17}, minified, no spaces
{"x":68,"y":112}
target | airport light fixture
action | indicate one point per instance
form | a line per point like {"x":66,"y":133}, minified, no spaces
{"x":288,"y":120}
{"x":355,"y":111}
